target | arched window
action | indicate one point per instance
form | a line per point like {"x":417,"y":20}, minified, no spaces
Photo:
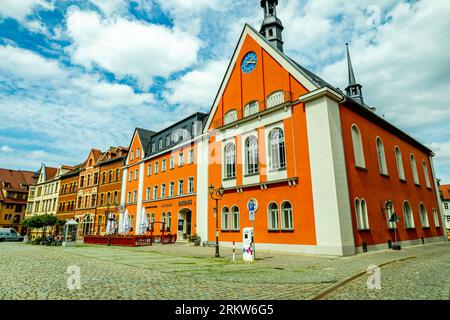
{"x":163,"y":219}
{"x":399,"y":160}
{"x":169,"y":221}
{"x":436,"y":218}
{"x":251,"y":108}
{"x":235,"y":218}
{"x":408,"y":215}
{"x":414,"y":169}
{"x":273,"y":217}
{"x":230,"y":161}
{"x":424,"y":216}
{"x":425,"y":172}
{"x":362,"y":219}
{"x":251,"y":151}
{"x":287,"y":219}
{"x":358,"y":147}
{"x":275,"y":99}
{"x":381,"y":157}
{"x":277,"y":152}
{"x":225,"y":218}
{"x":230,"y":117}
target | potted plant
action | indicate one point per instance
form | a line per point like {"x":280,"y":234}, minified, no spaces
{"x":195,"y":239}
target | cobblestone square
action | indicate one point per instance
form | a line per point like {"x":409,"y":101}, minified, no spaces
{"x":181,"y":271}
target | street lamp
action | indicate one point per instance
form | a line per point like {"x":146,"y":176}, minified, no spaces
{"x":388,"y":208}
{"x":219,"y":194}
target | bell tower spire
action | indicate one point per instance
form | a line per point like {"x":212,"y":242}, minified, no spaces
{"x":272,"y":27}
{"x":354,"y":89}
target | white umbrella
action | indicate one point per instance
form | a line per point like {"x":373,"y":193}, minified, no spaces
{"x":110,"y":224}
{"x":144,"y":221}
{"x":126,"y":222}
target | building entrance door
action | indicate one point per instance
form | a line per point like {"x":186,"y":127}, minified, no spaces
{"x":184,"y":224}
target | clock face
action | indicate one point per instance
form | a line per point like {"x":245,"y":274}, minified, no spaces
{"x":249,"y":62}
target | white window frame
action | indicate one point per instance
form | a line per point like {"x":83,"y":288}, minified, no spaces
{"x":287,"y":224}
{"x":181,"y":187}
{"x":235,"y":218}
{"x":251,"y":155}
{"x":191,"y":156}
{"x":230,"y":117}
{"x":358,"y":148}
{"x":280,"y":145}
{"x":436,"y":218}
{"x":425,"y":172}
{"x":171,"y":188}
{"x":381,"y":156}
{"x":163,"y":165}
{"x":409,"y":221}
{"x":275,"y":99}
{"x":149,"y":170}
{"x":229,"y":161}
{"x":148,"y":193}
{"x":155,"y":192}
{"x":362,"y":217}
{"x":172,"y":162}
{"x":163,"y":190}
{"x":399,"y":161}
{"x":225,"y":219}
{"x":423,"y":214}
{"x":180,"y":159}
{"x":156,"y":166}
{"x":271,"y":213}
{"x":414,"y":169}
{"x":191,"y":185}
{"x":251,"y":108}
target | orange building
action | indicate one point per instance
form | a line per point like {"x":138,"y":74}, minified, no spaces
{"x":68,"y":194}
{"x":326,"y":171}
{"x":160,"y":183}
{"x":110,"y":187}
{"x":328,"y":175}
{"x":86,"y":205}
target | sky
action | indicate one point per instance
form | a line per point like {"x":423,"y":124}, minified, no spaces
{"x":82,"y":74}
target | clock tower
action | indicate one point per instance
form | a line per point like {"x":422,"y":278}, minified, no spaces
{"x":272,"y":27}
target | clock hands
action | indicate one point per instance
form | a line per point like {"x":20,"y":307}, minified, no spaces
{"x":252,"y":61}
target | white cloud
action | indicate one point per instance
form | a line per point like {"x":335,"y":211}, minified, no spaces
{"x":6,"y":149}
{"x":38,"y":154}
{"x":61,"y":108}
{"x":20,"y":9}
{"x":110,"y":7}
{"x":199,"y":87}
{"x":129,"y":48}
{"x":25,"y":64}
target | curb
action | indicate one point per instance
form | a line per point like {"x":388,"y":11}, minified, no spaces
{"x":342,"y":283}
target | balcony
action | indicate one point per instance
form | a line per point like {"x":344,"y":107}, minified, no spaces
{"x":256,"y":107}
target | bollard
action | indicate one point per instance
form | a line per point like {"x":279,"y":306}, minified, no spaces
{"x":234,"y":252}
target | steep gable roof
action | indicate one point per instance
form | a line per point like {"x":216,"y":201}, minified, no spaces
{"x":146,"y":137}
{"x":16,"y":178}
{"x":308,"y":79}
{"x":445,"y":191}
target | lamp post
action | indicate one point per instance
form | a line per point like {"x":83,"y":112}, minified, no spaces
{"x":219,"y":194}
{"x":394,"y":219}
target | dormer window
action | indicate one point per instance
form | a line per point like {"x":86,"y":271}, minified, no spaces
{"x":160,"y":143}
{"x":231,"y":117}
{"x":153,"y":147}
{"x":251,"y":108}
{"x":275,"y":99}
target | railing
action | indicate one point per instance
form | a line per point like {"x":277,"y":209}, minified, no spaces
{"x":287,"y":96}
{"x":129,"y":241}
